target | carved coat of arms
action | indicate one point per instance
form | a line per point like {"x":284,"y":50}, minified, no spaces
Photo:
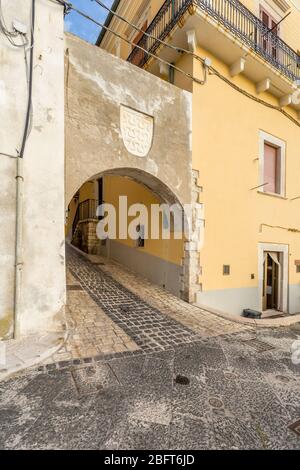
{"x":137,"y":131}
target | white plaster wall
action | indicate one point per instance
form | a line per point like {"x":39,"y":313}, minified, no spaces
{"x":232,"y":301}
{"x":43,"y":282}
{"x":294,"y":299}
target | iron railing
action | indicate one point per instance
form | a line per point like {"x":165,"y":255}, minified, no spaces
{"x":236,"y":18}
{"x":86,"y":210}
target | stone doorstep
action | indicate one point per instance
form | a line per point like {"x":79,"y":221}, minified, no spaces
{"x":30,"y":351}
{"x":262,"y":323}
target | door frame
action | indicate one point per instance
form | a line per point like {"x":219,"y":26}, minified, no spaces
{"x":284,"y":250}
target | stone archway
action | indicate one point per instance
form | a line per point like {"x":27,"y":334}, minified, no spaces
{"x":118,"y":121}
{"x":158,"y":260}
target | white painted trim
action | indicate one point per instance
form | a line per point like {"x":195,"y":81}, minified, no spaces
{"x":296,"y":4}
{"x":238,"y":67}
{"x":274,"y":11}
{"x":263,"y":86}
{"x":284,"y":249}
{"x":192,"y":40}
{"x":164,"y":69}
{"x":270,"y":6}
{"x":285,"y":100}
{"x":264,"y":137}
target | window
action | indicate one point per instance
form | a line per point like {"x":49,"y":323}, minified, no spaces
{"x":272,"y":169}
{"x":272,"y":165}
{"x":267,"y":41}
{"x":269,"y":21}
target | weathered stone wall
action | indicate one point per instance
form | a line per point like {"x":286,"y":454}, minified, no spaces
{"x":43,"y":280}
{"x":85,"y":237}
{"x":98,"y":85}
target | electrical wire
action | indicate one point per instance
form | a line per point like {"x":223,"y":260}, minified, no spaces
{"x":211,"y":69}
{"x":88,"y":17}
{"x":30,"y":84}
{"x":10,"y":34}
{"x":3,"y":24}
{"x":249,"y":95}
{"x":150,"y":36}
{"x":23,"y":37}
{"x":8,"y":155}
{"x":170,"y":46}
{"x":289,"y":229}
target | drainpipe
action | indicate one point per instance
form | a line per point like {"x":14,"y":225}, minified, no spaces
{"x":19,"y":247}
{"x":19,"y":193}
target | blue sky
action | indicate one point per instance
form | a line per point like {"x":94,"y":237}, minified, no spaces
{"x":76,"y":24}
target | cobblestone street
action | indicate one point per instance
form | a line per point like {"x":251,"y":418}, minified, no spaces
{"x":112,"y":310}
{"x":146,"y":325}
{"x":143,"y":370}
{"x":216,"y":394}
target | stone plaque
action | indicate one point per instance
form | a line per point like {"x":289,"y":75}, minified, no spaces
{"x":137,"y":131}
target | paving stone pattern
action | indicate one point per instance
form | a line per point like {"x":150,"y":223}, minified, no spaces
{"x":147,"y":326}
{"x":155,"y":383}
{"x":199,"y":320}
{"x":90,"y":331}
{"x":233,"y":398}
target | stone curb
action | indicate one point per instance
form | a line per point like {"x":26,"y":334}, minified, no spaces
{"x":36,"y":359}
{"x":263,"y":323}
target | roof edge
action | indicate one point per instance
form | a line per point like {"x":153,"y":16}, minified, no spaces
{"x":107,"y":22}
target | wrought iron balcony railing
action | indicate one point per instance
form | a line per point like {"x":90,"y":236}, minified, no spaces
{"x":236,"y":18}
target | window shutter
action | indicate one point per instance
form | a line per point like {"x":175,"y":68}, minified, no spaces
{"x":271,"y":169}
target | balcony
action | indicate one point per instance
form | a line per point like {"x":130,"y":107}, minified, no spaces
{"x":230,"y":31}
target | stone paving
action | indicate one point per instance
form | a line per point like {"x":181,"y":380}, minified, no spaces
{"x":220,"y":393}
{"x":111,"y":310}
{"x":90,"y":331}
{"x":148,"y":327}
{"x":153,"y":318}
{"x":201,"y":321}
{"x":139,"y":373}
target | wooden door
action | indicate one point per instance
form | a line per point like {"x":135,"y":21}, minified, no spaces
{"x":271,"y":282}
{"x":268,"y":41}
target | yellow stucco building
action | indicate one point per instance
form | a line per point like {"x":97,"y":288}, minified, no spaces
{"x":240,"y":61}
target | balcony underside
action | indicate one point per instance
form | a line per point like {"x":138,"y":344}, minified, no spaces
{"x":221,"y":43}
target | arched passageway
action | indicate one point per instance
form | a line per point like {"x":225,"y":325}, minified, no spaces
{"x":155,"y":249}
{"x":118,"y":125}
